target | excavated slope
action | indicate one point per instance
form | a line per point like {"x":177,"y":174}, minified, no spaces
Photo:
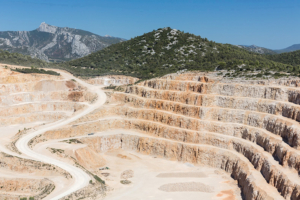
{"x":248,"y":128}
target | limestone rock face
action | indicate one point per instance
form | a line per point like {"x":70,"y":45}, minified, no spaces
{"x":51,"y":43}
{"x":113,"y":80}
{"x":89,"y":159}
{"x":47,"y":28}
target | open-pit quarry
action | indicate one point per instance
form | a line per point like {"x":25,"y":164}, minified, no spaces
{"x":181,"y":136}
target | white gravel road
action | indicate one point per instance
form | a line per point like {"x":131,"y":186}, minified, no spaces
{"x":80,"y":178}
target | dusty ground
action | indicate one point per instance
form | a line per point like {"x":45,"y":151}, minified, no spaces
{"x":147,"y":183}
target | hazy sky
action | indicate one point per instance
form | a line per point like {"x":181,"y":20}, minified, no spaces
{"x":273,"y":24}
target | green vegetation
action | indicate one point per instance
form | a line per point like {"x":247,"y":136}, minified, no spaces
{"x":53,"y":150}
{"x":166,"y":51}
{"x":111,"y":87}
{"x":35,"y":70}
{"x":115,"y":88}
{"x":291,"y":58}
{"x":97,"y":178}
{"x":71,"y":141}
{"x":20,"y":59}
{"x":125,"y":182}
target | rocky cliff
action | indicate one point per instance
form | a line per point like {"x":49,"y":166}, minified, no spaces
{"x":51,"y":43}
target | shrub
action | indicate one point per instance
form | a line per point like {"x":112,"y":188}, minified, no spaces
{"x":97,"y":178}
{"x":35,"y":70}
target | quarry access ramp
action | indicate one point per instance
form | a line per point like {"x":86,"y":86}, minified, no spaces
{"x":80,"y":178}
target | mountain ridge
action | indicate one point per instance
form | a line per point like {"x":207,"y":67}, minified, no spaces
{"x":52,"y":43}
{"x":294,"y":47}
{"x":263,"y":50}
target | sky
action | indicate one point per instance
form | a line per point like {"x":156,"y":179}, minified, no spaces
{"x":273,"y":24}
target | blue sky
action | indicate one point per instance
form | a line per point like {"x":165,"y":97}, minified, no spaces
{"x":273,"y":24}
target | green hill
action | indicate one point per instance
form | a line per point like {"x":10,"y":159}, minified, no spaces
{"x":291,"y":58}
{"x":168,"y":50}
{"x":20,"y":59}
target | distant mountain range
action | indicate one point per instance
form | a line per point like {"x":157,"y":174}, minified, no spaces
{"x":294,"y":47}
{"x":51,"y":43}
{"x":262,"y":50}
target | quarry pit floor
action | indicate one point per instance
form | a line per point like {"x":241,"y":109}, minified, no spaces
{"x":154,"y":177}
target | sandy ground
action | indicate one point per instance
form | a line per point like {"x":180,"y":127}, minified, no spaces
{"x":148,"y":179}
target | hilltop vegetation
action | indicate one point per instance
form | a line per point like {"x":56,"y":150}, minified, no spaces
{"x":168,"y":50}
{"x":291,"y":58}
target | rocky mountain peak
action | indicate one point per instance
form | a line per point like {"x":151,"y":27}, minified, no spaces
{"x":60,"y":44}
{"x":47,"y":28}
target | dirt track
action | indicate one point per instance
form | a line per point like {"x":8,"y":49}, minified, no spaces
{"x":80,"y":178}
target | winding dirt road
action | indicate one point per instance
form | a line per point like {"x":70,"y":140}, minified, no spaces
{"x":80,"y":178}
